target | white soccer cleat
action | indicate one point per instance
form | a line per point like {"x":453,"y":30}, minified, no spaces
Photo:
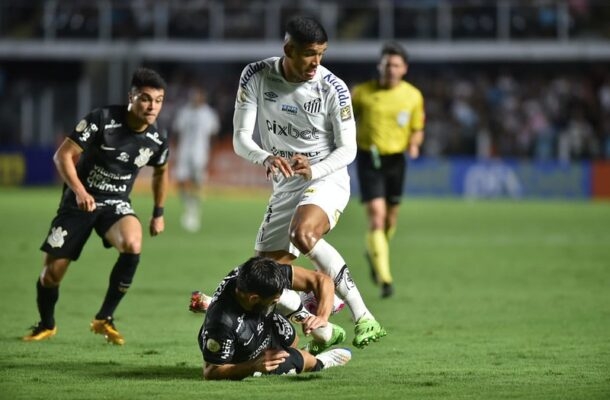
{"x":335,"y":357}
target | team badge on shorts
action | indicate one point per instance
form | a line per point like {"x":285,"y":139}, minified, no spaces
{"x":346,"y":113}
{"x":56,"y":238}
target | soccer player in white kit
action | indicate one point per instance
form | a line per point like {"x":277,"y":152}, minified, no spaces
{"x":308,"y":137}
{"x":195,"y":124}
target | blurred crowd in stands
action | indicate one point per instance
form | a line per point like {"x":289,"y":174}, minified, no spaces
{"x":536,"y":111}
{"x":345,"y":19}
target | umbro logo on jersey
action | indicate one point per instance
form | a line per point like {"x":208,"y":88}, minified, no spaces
{"x":123,"y":157}
{"x":313,"y":106}
{"x":270,"y":96}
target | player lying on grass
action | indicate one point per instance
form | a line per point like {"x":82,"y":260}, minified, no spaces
{"x":200,"y":302}
{"x":243,"y":335}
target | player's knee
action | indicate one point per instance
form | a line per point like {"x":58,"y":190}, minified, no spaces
{"x":48,"y":280}
{"x":132,"y":246}
{"x":52,"y":274}
{"x":304,"y":238}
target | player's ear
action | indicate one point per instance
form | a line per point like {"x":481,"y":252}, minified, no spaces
{"x":254,"y":298}
{"x":288,"y":49}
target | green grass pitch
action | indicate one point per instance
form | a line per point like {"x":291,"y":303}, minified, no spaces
{"x":494,"y":300}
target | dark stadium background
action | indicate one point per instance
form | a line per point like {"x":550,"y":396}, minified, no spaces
{"x":511,"y":87}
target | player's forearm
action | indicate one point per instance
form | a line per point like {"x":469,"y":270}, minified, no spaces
{"x":245,"y":147}
{"x":339,"y":158}
{"x":229,"y":371}
{"x":417,"y":138}
{"x":160,"y":183}
{"x":321,"y":285}
{"x":324,"y":290}
{"x":65,"y":164}
{"x":243,"y":143}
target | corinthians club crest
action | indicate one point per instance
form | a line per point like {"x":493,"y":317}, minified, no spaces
{"x":56,"y":238}
{"x":142,"y":159}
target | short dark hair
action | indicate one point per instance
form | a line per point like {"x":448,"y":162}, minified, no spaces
{"x":261,"y":276}
{"x":147,"y":77}
{"x":305,"y":30}
{"x":395,"y":49}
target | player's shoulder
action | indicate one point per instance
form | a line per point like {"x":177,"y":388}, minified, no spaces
{"x":329,"y":79}
{"x":410,"y":89}
{"x":222,"y":313}
{"x":333,"y":85}
{"x":365,"y":87}
{"x":111,"y":112}
{"x":257,"y":69}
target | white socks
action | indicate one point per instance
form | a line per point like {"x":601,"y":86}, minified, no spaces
{"x":328,"y":260}
{"x":290,"y":306}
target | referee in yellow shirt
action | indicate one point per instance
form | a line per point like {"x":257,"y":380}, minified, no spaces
{"x":390,"y":121}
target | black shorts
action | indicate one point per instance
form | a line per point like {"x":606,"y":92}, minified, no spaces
{"x":386,"y":182}
{"x":71,"y":227}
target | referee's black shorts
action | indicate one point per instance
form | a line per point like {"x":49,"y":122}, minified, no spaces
{"x":385,"y":181}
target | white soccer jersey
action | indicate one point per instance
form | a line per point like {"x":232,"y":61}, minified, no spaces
{"x":312,"y":118}
{"x":195,"y":126}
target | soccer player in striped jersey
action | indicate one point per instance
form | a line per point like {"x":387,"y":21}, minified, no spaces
{"x":308,"y":138}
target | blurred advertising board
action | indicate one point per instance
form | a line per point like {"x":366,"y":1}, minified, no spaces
{"x":21,"y":166}
{"x":434,"y":177}
{"x":504,"y":178}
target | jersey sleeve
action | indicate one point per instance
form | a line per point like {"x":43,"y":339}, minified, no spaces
{"x":87,"y":129}
{"x":356,"y":93}
{"x":418,"y":119}
{"x":218,"y":345}
{"x":244,"y":117}
{"x":341,"y":117}
{"x":161,"y":156}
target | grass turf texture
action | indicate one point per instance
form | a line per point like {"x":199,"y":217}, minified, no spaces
{"x":494,"y":300}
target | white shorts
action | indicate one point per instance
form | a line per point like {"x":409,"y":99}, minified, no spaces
{"x":190,"y":168}
{"x":330,"y":193}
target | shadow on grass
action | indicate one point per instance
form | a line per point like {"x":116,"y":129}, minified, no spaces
{"x":111,"y":369}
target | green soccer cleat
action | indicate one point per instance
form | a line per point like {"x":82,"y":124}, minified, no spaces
{"x":337,"y":337}
{"x":40,"y":332}
{"x":106,"y":327}
{"x":367,"y":331}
